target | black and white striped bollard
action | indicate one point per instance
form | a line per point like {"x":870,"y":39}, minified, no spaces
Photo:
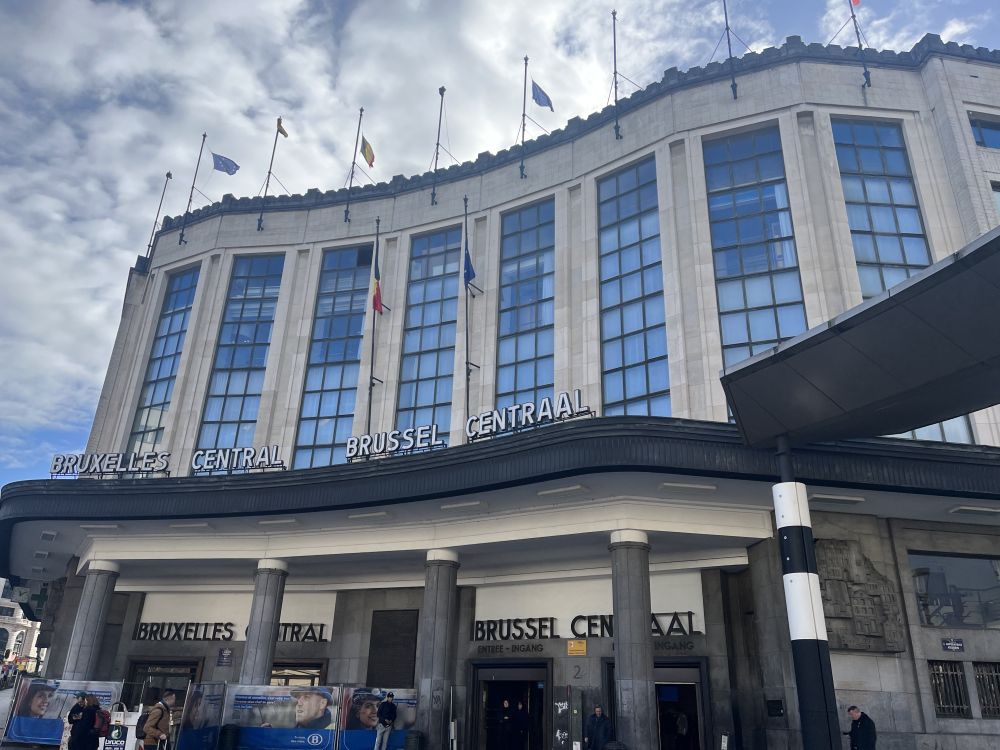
{"x":806,"y":626}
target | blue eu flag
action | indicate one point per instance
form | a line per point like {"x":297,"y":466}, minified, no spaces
{"x":540,"y":97}
{"x":224,"y":164}
{"x":470,"y":272}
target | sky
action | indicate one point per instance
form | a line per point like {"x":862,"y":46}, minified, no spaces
{"x":99,"y":99}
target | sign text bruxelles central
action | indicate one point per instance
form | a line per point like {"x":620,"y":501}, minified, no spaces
{"x":510,"y":418}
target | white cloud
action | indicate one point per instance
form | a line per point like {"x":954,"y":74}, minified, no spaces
{"x":902,"y":25}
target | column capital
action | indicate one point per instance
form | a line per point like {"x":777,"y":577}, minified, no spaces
{"x":629,"y":538}
{"x":103,"y":566}
{"x":269,"y":563}
{"x":442,"y":557}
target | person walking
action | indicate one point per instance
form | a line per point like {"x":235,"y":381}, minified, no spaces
{"x":75,"y":712}
{"x":386,"y":718}
{"x":862,"y":733}
{"x":83,"y":734}
{"x":597,"y":732}
{"x":157,"y":725}
{"x":521,"y":726}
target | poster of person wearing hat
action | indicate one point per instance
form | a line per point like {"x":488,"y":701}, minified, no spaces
{"x":273,"y":717}
{"x":359,"y":717}
{"x":40,"y":707}
{"x":202,"y":716}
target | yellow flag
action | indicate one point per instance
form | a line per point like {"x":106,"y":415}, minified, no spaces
{"x":367,"y":152}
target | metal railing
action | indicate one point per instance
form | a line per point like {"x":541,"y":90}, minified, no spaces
{"x":988,"y":687}
{"x":951,"y":696}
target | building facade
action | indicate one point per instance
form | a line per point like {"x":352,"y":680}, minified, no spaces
{"x":545,"y":501}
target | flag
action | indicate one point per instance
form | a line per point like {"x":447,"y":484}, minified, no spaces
{"x":367,"y":151}
{"x":224,"y":164}
{"x":377,"y":295}
{"x":470,"y":272}
{"x":540,"y":97}
{"x":281,"y":128}
{"x":855,"y":3}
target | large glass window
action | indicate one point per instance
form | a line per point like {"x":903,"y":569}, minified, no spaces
{"x":753,"y":243}
{"x":636,"y":378}
{"x":164,"y":357}
{"x":241,"y":356}
{"x":428,"y":357}
{"x":886,"y":226}
{"x":527,"y":288}
{"x":986,"y":132}
{"x":328,"y":398}
{"x":956,"y":591}
{"x":995,"y":187}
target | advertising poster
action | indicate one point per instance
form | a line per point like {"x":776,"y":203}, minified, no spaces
{"x":202,"y":716}
{"x":38,"y":715}
{"x":359,"y":715}
{"x":273,"y":717}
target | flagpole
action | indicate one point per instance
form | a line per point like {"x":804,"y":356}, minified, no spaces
{"x":524,"y":115}
{"x":371,"y":360}
{"x":729,"y":43}
{"x":267,"y":182}
{"x":181,"y":240}
{"x":614,"y":52}
{"x":437,"y":149}
{"x":354,"y":161}
{"x":149,"y":247}
{"x":861,"y":51}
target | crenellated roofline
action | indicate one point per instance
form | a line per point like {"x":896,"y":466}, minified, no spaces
{"x":674,"y":80}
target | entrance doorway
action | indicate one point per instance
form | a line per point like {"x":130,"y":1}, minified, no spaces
{"x":511,"y":708}
{"x":677,"y":705}
{"x":148,"y":679}
{"x":681,"y":697}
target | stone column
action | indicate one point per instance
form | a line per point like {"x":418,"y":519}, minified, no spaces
{"x":435,"y":643}
{"x":88,"y":627}
{"x":637,"y":721}
{"x":265,"y":616}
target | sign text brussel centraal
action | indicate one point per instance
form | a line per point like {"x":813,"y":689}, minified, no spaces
{"x":563,"y":406}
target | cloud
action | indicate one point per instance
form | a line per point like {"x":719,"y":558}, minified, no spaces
{"x":903,"y":25}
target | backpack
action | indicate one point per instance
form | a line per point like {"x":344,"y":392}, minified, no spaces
{"x":102,"y":723}
{"x":140,"y":725}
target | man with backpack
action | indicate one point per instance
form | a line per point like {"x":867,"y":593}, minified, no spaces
{"x":155,"y":730}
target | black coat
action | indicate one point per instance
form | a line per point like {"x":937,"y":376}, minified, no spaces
{"x":597,"y":732}
{"x":863,"y":733}
{"x":83,"y":735}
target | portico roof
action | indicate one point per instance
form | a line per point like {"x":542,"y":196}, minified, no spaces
{"x":925,"y":351}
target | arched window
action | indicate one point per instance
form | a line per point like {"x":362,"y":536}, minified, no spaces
{"x":4,"y":637}
{"x":18,"y":644}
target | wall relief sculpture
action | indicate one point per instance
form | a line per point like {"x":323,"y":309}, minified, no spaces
{"x":862,"y":607}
